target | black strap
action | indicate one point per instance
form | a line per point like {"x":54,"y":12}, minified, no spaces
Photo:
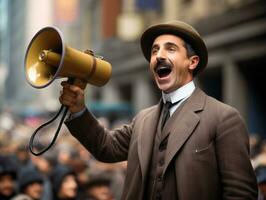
{"x":65,"y":108}
{"x":31,"y":146}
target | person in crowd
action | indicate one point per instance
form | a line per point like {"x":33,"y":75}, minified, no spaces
{"x":115,"y":172}
{"x":255,"y":144}
{"x":64,"y":183}
{"x":22,"y":156}
{"x":44,"y":165}
{"x":8,"y":177}
{"x":30,"y":184}
{"x":81,"y":170}
{"x":98,"y":188}
{"x":259,"y":159}
{"x":189,"y":146}
{"x":261,"y":178}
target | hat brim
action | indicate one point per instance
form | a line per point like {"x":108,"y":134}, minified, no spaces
{"x":181,"y":30}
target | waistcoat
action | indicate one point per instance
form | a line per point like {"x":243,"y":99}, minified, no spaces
{"x":159,"y":185}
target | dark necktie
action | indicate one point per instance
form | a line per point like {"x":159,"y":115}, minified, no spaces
{"x":166,"y":112}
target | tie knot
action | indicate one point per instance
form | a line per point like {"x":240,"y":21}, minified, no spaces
{"x":168,"y":104}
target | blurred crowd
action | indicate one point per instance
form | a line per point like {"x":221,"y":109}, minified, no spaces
{"x":67,"y":171}
{"x":258,"y":160}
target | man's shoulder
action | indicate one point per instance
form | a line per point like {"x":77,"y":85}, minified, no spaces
{"x":219,"y":106}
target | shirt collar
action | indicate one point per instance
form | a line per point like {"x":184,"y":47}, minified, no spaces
{"x":181,"y":93}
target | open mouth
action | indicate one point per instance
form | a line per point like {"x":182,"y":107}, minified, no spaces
{"x":163,"y":71}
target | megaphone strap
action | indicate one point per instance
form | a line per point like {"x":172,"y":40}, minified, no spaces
{"x":31,"y":146}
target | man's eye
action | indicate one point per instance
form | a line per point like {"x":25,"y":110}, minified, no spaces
{"x":171,"y":49}
{"x":153,"y":51}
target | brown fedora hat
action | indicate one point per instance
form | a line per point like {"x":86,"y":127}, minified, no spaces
{"x":184,"y":31}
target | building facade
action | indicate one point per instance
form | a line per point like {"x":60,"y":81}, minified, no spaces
{"x":234,"y":31}
{"x":235,"y":34}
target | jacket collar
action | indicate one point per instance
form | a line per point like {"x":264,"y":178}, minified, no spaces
{"x":182,"y":124}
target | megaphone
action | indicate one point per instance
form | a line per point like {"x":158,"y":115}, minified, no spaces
{"x":48,"y":58}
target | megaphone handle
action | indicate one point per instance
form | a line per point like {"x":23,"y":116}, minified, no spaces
{"x":45,"y":124}
{"x":78,"y":82}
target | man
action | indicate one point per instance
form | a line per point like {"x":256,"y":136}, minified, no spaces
{"x":261,"y":179}
{"x":98,"y":188}
{"x":30,"y":184}
{"x":64,"y":182}
{"x":200,"y":152}
{"x":8,"y":177}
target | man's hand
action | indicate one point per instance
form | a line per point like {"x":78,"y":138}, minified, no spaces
{"x":73,"y":97}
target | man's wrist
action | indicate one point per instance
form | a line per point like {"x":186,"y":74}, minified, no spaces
{"x":76,"y":114}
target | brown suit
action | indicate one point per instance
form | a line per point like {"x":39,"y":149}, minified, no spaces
{"x":207,"y":147}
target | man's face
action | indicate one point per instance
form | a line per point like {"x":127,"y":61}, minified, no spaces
{"x":69,"y":187}
{"x":7,"y":185}
{"x":34,"y":190}
{"x":170,"y":64}
{"x":100,"y":193}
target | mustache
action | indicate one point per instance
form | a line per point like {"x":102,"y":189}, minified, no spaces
{"x":163,"y":63}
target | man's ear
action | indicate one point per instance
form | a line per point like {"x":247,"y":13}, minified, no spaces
{"x":194,"y":61}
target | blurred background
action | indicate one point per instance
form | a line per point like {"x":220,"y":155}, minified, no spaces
{"x":234,"y":32}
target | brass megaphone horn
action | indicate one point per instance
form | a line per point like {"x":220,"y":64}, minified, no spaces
{"x":48,"y":58}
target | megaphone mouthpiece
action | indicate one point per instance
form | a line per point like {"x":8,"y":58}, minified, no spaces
{"x":42,"y":55}
{"x":50,"y":58}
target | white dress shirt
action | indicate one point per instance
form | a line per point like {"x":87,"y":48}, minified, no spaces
{"x":181,"y":94}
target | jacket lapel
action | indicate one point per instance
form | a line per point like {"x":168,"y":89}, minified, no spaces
{"x":181,"y":125}
{"x":146,"y":138}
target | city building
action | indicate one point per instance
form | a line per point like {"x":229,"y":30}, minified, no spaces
{"x":234,"y":31}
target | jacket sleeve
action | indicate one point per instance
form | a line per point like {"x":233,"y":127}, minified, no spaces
{"x":232,"y":149}
{"x":105,"y":145}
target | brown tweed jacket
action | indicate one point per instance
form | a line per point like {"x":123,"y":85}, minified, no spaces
{"x":208,"y":145}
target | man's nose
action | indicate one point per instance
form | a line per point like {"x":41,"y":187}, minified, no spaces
{"x":161,"y":55}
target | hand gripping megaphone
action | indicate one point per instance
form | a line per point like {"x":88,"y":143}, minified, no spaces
{"x":48,"y":58}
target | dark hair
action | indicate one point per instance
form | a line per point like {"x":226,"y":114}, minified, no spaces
{"x":8,"y":166}
{"x":27,"y":177}
{"x":58,"y":175}
{"x":96,"y":182}
{"x":190,"y":50}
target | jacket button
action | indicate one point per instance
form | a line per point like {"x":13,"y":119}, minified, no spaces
{"x":160,"y":178}
{"x":162,"y":146}
{"x":161,"y":162}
